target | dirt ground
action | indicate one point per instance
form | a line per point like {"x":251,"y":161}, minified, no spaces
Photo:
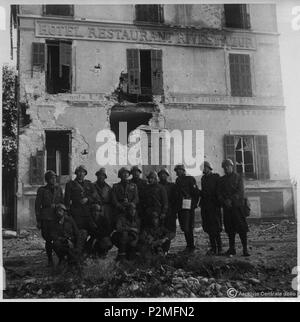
{"x":267,"y":273}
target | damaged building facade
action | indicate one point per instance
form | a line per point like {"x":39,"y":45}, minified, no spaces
{"x":216,"y":68}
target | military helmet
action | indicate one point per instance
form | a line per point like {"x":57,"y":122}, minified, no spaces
{"x":81,"y":168}
{"x":227,"y":162}
{"x":164,"y":170}
{"x":61,"y":206}
{"x":152,"y":174}
{"x":101,"y":171}
{"x":208,"y":165}
{"x":120,"y":172}
{"x":179,"y":167}
{"x":49,"y":174}
{"x":135,"y":168}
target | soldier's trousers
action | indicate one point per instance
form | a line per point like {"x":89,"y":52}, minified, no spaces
{"x":62,"y":250}
{"x":187,"y":223}
{"x":47,"y":229}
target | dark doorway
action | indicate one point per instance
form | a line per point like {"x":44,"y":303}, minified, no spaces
{"x":58,"y":148}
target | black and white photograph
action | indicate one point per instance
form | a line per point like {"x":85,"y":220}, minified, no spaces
{"x":150,"y":151}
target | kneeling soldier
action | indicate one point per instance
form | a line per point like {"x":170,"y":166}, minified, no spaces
{"x":125,"y":238}
{"x":48,"y":197}
{"x":66,"y":237}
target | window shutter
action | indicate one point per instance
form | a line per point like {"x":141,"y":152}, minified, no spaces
{"x":229,"y":147}
{"x":65,"y":56}
{"x":157,"y":72}
{"x":38,"y":54}
{"x":240,"y":75}
{"x":37,"y":168}
{"x":262,"y":156}
{"x":133,"y":66}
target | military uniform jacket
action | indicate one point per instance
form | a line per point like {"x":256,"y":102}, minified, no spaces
{"x":186,"y":188}
{"x":104,"y":193}
{"x":231,"y":187}
{"x":45,"y":198}
{"x":156,"y":198}
{"x":122,"y":192}
{"x":141,"y":187}
{"x":75,"y":192}
{"x":209,"y":186}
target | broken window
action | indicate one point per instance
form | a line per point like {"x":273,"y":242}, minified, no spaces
{"x":250,"y":155}
{"x":240,"y":75}
{"x":236,"y":16}
{"x":38,"y":54}
{"x":58,"y":10}
{"x":149,"y":13}
{"x":58,"y":152}
{"x":145,"y":72}
{"x":59,"y":66}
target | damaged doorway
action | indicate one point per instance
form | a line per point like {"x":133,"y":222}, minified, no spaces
{"x":58,"y":154}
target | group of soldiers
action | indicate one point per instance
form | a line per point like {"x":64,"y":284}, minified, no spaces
{"x":139,"y":216}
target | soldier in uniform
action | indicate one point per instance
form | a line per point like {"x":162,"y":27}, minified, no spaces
{"x":231,"y":197}
{"x":156,"y":199}
{"x":124,"y":199}
{"x":48,"y":197}
{"x":141,"y":184}
{"x":80,"y":195}
{"x":170,"y":221}
{"x":66,"y":237}
{"x":210,"y":209}
{"x":103,"y":214}
{"x":187,"y":197}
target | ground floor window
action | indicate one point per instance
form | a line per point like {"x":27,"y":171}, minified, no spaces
{"x":250,"y":155}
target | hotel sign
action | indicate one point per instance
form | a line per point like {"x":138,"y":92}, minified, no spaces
{"x":135,"y":34}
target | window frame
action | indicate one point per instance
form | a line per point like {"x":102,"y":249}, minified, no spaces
{"x":161,"y":15}
{"x":252,"y":73}
{"x":62,"y":16}
{"x":246,"y":23}
{"x":261,"y":172}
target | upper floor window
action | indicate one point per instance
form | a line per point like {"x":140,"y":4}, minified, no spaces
{"x":240,"y":75}
{"x":145,"y":75}
{"x":149,"y":13}
{"x":55,"y":57}
{"x":237,"y":16}
{"x":58,"y":10}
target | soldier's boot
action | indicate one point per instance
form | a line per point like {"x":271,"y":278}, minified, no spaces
{"x":219,"y":244}
{"x":213,"y":245}
{"x":243,"y":237}
{"x":49,"y":252}
{"x":189,"y":237}
{"x":231,"y":251}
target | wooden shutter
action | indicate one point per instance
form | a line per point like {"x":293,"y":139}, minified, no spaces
{"x":38,"y":54}
{"x":262,"y":157}
{"x":229,"y":147}
{"x":65,"y":56}
{"x":157,"y":72}
{"x":37,"y":168}
{"x":240,"y":75}
{"x":133,"y":66}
